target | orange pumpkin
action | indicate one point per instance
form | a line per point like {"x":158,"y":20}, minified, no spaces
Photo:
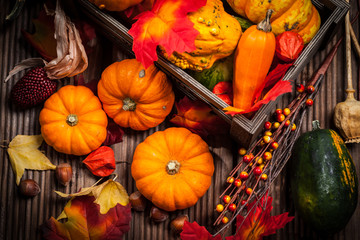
{"x":172,"y":168}
{"x":135,"y":97}
{"x":72,"y":121}
{"x":289,"y":15}
{"x":252,"y":62}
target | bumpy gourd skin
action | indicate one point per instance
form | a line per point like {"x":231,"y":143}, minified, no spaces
{"x":218,"y":36}
{"x":289,"y":15}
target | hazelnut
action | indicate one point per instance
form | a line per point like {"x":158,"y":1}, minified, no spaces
{"x":177,"y":224}
{"x":158,"y":215}
{"x":138,"y":201}
{"x":29,"y":188}
{"x":63,"y":173}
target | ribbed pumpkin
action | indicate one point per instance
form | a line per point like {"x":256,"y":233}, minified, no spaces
{"x":252,"y":61}
{"x":72,"y":121}
{"x":289,"y":15}
{"x":219,"y":33}
{"x":135,"y":97}
{"x":172,"y":168}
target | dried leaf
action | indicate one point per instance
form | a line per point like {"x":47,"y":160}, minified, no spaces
{"x":193,"y":231}
{"x":84,"y":221}
{"x":101,"y":162}
{"x":198,"y":118}
{"x":259,"y":223}
{"x":166,"y":25}
{"x":277,"y":74}
{"x":279,"y":88}
{"x":114,"y":133}
{"x":71,"y":56}
{"x":107,"y":195}
{"x":24,"y":154}
{"x":43,"y":38}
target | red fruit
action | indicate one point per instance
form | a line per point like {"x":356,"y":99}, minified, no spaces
{"x":232,"y":207}
{"x":310,"y":89}
{"x":286,"y":111}
{"x":309,"y":102}
{"x":226,"y":199}
{"x":248,"y":191}
{"x":300,"y":88}
{"x":274,"y":145}
{"x":278,"y":111}
{"x":267,"y":125}
{"x":224,"y":91}
{"x":246,"y":159}
{"x":289,"y":46}
{"x":244,"y":175}
{"x":257,"y":171}
{"x":33,"y":88}
{"x":237,"y":182}
{"x":230,"y":179}
{"x":225,"y":220}
{"x":280,"y":117}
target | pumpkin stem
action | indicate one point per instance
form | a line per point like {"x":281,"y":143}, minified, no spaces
{"x":316,"y":124}
{"x":265,"y":25}
{"x":72,"y":119}
{"x":172,"y":167}
{"x":128,"y":104}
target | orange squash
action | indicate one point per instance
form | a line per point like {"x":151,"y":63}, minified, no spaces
{"x":252,"y":62}
{"x":72,"y":121}
{"x":289,"y":15}
{"x":172,"y":168}
{"x":135,"y":97}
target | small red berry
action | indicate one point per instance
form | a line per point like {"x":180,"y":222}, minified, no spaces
{"x":309,"y":102}
{"x":267,"y":156}
{"x":257,"y":171}
{"x":225,"y":220}
{"x":278,"y":111}
{"x":243,"y":202}
{"x":232,"y":207}
{"x":219,"y":208}
{"x":248,"y":191}
{"x":300,"y":88}
{"x":267,"y":133}
{"x":287,"y":123}
{"x":242,"y":151}
{"x":259,"y":160}
{"x":276,"y":125}
{"x":266,"y":139}
{"x":237,"y":182}
{"x":230,"y":179}
{"x":267,"y":125}
{"x":280,"y":117}
{"x":310,"y":89}
{"x":293,"y":128}
{"x":264,"y":176}
{"x":246,"y":159}
{"x":226,"y":199}
{"x":274,"y":145}
{"x":244,"y":175}
{"x":286,"y":111}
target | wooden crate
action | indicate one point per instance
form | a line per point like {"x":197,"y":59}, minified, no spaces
{"x":243,"y":129}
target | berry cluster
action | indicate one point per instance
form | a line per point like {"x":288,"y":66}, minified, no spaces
{"x":250,"y":177}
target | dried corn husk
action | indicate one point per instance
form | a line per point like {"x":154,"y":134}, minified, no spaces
{"x":71,"y":57}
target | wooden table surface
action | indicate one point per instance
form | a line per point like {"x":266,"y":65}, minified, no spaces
{"x":20,"y":218}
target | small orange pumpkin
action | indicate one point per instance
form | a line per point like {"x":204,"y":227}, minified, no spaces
{"x":72,"y":121}
{"x":135,"y":97}
{"x":172,"y":168}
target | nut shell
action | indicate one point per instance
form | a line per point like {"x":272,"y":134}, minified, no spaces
{"x":29,"y":188}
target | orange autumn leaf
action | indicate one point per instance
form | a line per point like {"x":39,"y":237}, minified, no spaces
{"x":84,"y":221}
{"x":198,"y":117}
{"x":166,"y":25}
{"x":259,"y":223}
{"x":101,"y":162}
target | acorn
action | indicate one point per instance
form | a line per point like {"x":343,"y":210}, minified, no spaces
{"x":177,"y":224}
{"x":158,"y":215}
{"x":29,"y":188}
{"x":63,"y":173}
{"x":138,"y":201}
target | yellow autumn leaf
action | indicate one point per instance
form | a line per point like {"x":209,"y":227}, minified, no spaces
{"x":24,"y":154}
{"x":107,"y":195}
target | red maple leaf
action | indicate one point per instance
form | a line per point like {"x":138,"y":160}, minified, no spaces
{"x":193,"y":231}
{"x":166,"y":25}
{"x":279,"y":88}
{"x":198,"y":117}
{"x":84,"y":221}
{"x":259,"y":223}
